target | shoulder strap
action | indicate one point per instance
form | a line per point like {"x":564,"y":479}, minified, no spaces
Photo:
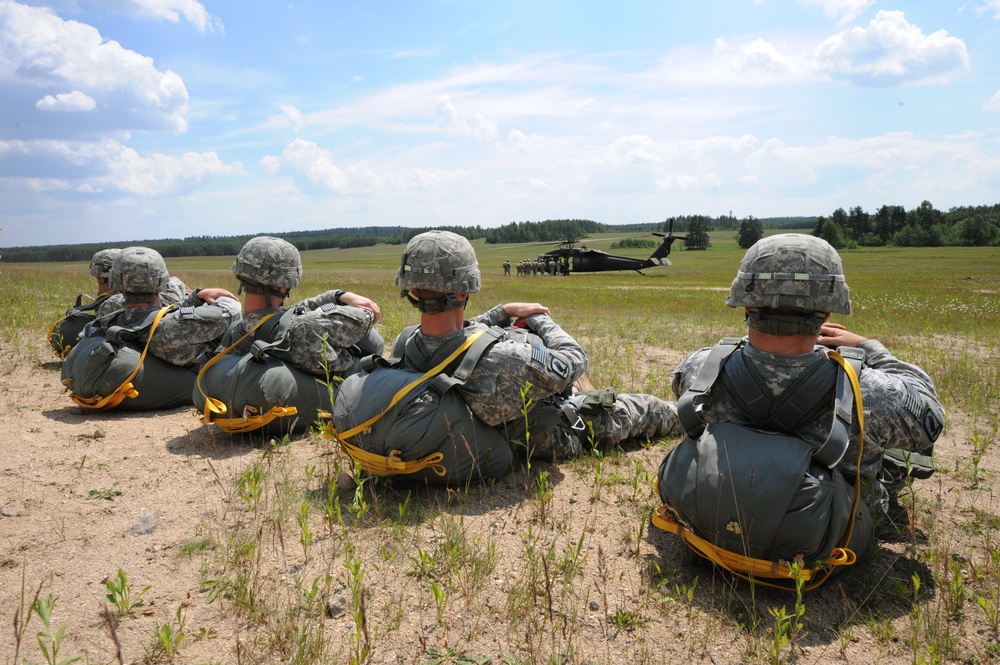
{"x":445,"y":381}
{"x":698,"y":394}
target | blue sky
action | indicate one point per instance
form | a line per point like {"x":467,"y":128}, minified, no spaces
{"x":142,"y":119}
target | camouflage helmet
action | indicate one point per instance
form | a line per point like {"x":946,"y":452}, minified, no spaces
{"x":101,"y":262}
{"x":268,"y":261}
{"x":791,"y":271}
{"x":139,"y":271}
{"x":439,"y":261}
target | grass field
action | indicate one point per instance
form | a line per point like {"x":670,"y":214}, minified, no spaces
{"x":306,"y":562}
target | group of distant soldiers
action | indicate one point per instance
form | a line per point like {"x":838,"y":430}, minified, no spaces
{"x":543,"y":265}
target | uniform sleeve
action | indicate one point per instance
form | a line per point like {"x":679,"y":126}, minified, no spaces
{"x":175,"y":293}
{"x":512,"y":372}
{"x":317,"y":301}
{"x":321,"y":339}
{"x":686,"y":371}
{"x":495,"y":317}
{"x":186,"y":335}
{"x":901,"y":404}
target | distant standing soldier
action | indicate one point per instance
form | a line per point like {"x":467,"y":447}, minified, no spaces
{"x":506,"y":268}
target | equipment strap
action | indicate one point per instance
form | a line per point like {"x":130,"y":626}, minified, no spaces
{"x":387,"y":465}
{"x":214,"y":408}
{"x":126,"y":389}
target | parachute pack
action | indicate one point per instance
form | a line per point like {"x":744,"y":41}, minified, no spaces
{"x":65,"y":331}
{"x":254,"y":391}
{"x":757,"y":501}
{"x":397,"y":422}
{"x":111,"y":369}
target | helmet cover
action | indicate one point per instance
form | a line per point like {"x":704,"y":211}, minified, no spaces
{"x":791,"y":271}
{"x":140,"y":271}
{"x":439,"y":261}
{"x":268,"y":261}
{"x":101,"y":262}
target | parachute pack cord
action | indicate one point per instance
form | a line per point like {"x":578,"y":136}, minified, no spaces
{"x":386,"y":465}
{"x":215,"y":408}
{"x":756,"y":571}
{"x":126,"y":389}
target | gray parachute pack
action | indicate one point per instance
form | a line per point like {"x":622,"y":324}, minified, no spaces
{"x":760,"y":491}
{"x":431,"y":419}
{"x":259,"y":390}
{"x":103,"y":360}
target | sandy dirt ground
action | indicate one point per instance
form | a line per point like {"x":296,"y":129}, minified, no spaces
{"x":83,"y":496}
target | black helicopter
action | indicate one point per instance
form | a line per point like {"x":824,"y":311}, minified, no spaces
{"x":584,"y":259}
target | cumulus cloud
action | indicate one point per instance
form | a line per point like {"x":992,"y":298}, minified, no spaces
{"x":43,"y":56}
{"x":762,"y":57}
{"x":890,"y":51}
{"x":842,"y":10}
{"x":66,"y":101}
{"x":993,"y":104}
{"x":313,"y":167}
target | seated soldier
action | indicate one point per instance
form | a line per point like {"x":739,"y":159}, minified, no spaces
{"x":265,"y":375}
{"x":157,"y":348}
{"x":779,"y":380}
{"x":437,"y":273}
{"x":65,"y":332}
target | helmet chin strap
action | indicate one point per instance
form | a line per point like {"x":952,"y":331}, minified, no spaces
{"x":434,"y":305}
{"x":267,"y":291}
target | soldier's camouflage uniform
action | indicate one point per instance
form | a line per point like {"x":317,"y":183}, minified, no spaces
{"x":493,"y":391}
{"x":322,"y":336}
{"x":900,"y":403}
{"x":187,"y":334}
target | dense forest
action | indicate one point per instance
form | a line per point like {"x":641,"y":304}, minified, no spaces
{"x":889,"y":225}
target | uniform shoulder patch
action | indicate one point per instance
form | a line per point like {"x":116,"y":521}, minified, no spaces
{"x":932,"y":425}
{"x":558,"y":367}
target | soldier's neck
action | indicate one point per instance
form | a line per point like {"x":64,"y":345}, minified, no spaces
{"x":781,"y":345}
{"x":442,"y":323}
{"x":255,"y":301}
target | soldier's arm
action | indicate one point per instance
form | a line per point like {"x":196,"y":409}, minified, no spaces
{"x":901,"y":404}
{"x":321,"y":340}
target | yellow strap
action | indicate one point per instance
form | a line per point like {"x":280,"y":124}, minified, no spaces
{"x":214,"y":408}
{"x":757,"y":570}
{"x":392,"y":465}
{"x":250,"y":423}
{"x":126,"y":389}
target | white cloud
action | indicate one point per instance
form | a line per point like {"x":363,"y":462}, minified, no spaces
{"x":291,"y":115}
{"x":842,"y":10}
{"x":44,"y":55}
{"x":890,"y":51}
{"x":993,"y":104}
{"x":993,"y":6}
{"x":66,"y":101}
{"x":163,"y":10}
{"x":107,"y":168}
{"x":763,"y":58}
{"x":313,"y":167}
{"x":482,"y":128}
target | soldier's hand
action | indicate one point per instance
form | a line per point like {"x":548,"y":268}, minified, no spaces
{"x":522,"y":310}
{"x":210,"y":295}
{"x":355,"y":300}
{"x":835,"y":334}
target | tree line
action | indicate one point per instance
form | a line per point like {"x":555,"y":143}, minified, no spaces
{"x":890,"y":225}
